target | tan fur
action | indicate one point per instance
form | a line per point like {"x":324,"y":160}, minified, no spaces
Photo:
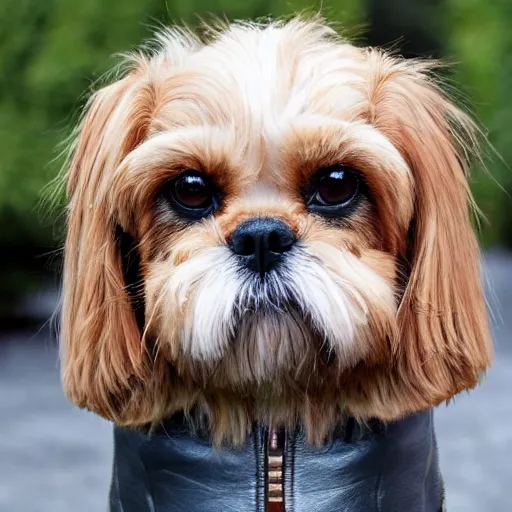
{"x":259,"y":109}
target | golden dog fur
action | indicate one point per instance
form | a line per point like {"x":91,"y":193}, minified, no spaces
{"x":393,"y":292}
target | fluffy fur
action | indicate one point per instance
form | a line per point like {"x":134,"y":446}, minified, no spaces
{"x":380,"y":315}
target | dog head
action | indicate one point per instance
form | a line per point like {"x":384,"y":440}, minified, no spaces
{"x":271,"y":224}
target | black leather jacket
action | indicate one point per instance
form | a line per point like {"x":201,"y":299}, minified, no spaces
{"x":362,"y":469}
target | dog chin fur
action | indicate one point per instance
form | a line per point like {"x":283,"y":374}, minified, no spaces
{"x":378,"y":315}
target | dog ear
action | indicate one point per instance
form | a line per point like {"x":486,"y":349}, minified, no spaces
{"x":105,"y":363}
{"x":444,"y":344}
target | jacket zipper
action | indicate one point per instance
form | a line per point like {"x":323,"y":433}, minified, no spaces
{"x":275,"y":451}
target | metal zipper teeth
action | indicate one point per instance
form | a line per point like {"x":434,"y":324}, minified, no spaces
{"x":275,"y":500}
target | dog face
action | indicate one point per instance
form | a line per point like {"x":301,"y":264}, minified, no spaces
{"x":270,"y":225}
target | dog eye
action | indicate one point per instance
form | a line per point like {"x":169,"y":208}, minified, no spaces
{"x":192,"y":194}
{"x":334,"y":188}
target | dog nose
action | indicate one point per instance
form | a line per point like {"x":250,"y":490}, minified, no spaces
{"x":261,"y":242}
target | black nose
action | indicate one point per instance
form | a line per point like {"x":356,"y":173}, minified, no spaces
{"x":261,"y":242}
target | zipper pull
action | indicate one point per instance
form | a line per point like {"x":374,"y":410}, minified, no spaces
{"x":275,"y":501}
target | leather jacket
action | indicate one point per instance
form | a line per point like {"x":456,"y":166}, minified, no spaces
{"x":373,"y":468}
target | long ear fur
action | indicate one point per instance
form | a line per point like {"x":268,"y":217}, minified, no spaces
{"x":105,"y":365}
{"x":444,"y":343}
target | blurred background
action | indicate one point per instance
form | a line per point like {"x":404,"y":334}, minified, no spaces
{"x":56,"y":458}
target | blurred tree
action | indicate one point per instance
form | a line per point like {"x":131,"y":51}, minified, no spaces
{"x":413,"y":27}
{"x":479,"y":40}
{"x":49,"y":52}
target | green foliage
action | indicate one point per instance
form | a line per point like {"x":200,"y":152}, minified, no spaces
{"x":480,"y":42}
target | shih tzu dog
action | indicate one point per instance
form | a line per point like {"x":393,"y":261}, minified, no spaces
{"x":267,"y":223}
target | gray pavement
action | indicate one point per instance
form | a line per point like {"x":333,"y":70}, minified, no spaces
{"x":56,"y":458}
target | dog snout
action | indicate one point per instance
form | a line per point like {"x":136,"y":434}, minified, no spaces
{"x":261,"y":243}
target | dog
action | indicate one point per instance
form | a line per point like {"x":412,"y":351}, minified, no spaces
{"x":267,"y":223}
